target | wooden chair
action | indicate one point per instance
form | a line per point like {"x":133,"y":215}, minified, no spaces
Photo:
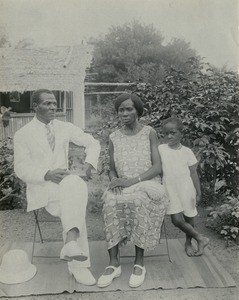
{"x":38,"y":228}
{"x":163,"y":230}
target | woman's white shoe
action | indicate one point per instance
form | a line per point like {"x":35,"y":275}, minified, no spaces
{"x":106,"y":280}
{"x":137,"y":280}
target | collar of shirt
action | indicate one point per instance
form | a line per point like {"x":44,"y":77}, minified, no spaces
{"x":41,"y":124}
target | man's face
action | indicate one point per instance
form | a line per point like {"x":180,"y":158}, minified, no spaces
{"x":46,"y":108}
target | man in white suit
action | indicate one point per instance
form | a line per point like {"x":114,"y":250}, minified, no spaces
{"x":41,"y":161}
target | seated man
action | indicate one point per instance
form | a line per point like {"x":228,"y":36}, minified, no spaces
{"x":41,"y":161}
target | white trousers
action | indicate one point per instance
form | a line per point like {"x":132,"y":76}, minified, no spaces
{"x":69,"y":203}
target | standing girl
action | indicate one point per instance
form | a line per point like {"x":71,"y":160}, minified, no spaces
{"x":182,"y":184}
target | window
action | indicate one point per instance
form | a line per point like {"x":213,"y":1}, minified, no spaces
{"x":22,"y":102}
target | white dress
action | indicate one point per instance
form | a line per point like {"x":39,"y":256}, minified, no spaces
{"x":178,"y":184}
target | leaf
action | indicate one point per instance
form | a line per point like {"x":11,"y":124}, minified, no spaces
{"x":235,"y":229}
{"x":236,"y":214}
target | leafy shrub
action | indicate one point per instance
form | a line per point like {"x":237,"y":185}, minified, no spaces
{"x":96,"y":188}
{"x":225,"y":219}
{"x":206,"y":100}
{"x":12,"y":193}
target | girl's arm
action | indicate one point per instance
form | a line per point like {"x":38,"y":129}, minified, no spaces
{"x":155,"y":170}
{"x":196,"y":181}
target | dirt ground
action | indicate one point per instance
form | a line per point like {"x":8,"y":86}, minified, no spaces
{"x":17,"y":224}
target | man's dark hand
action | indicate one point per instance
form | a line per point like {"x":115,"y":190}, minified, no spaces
{"x":198,"y":198}
{"x":56,"y":175}
{"x":88,"y":167}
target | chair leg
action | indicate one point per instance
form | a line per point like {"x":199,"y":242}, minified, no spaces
{"x":166,"y":239}
{"x":38,"y":225}
{"x":35,"y":231}
{"x":34,"y":239}
{"x":163,"y":227}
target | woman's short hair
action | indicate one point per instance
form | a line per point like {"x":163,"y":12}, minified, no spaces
{"x":138,"y":104}
{"x":174,"y":120}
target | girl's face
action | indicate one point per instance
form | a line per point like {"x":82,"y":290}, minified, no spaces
{"x":127,"y":112}
{"x":172,"y":134}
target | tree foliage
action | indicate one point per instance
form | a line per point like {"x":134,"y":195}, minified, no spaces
{"x":135,"y":52}
{"x":21,"y":44}
{"x":207,"y":102}
{"x":224,"y":219}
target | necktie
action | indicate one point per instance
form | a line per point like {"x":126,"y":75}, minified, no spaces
{"x":50,"y":136}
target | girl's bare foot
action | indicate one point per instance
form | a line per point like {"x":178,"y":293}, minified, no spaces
{"x":189,"y":249}
{"x":202,"y":243}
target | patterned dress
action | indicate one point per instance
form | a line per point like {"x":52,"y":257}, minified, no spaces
{"x":137,"y":213}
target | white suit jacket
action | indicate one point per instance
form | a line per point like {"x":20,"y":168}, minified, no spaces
{"x":33,"y":157}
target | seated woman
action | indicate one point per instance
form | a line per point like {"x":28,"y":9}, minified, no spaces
{"x":134,"y":203}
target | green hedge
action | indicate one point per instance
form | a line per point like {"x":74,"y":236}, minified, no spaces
{"x":207,"y":101}
{"x":12,"y":189}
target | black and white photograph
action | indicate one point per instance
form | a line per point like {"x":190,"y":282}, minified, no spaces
{"x":119,"y":149}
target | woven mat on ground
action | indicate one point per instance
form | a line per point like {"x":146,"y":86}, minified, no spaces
{"x":183,"y":272}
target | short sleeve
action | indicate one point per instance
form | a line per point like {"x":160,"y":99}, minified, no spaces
{"x":80,"y":138}
{"x":191,"y":158}
{"x":151,"y":129}
{"x":113,"y":135}
{"x":160,"y":149}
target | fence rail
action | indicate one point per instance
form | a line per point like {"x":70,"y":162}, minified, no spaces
{"x":19,"y":120}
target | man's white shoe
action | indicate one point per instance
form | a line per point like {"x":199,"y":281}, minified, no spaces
{"x":83,"y":276}
{"x":106,"y":280}
{"x":72,"y":251}
{"x":137,"y":280}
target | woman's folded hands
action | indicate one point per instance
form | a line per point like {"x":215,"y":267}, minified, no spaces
{"x":116,"y":184}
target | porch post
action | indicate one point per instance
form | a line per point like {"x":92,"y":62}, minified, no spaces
{"x":79,"y":106}
{"x":64,"y":102}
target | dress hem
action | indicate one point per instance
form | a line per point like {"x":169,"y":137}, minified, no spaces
{"x":120,"y":245}
{"x":181,"y":211}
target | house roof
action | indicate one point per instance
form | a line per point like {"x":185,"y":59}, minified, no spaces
{"x":56,"y":68}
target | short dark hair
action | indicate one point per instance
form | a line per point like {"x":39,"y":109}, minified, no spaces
{"x":138,"y":104}
{"x":174,"y":120}
{"x":36,"y":95}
